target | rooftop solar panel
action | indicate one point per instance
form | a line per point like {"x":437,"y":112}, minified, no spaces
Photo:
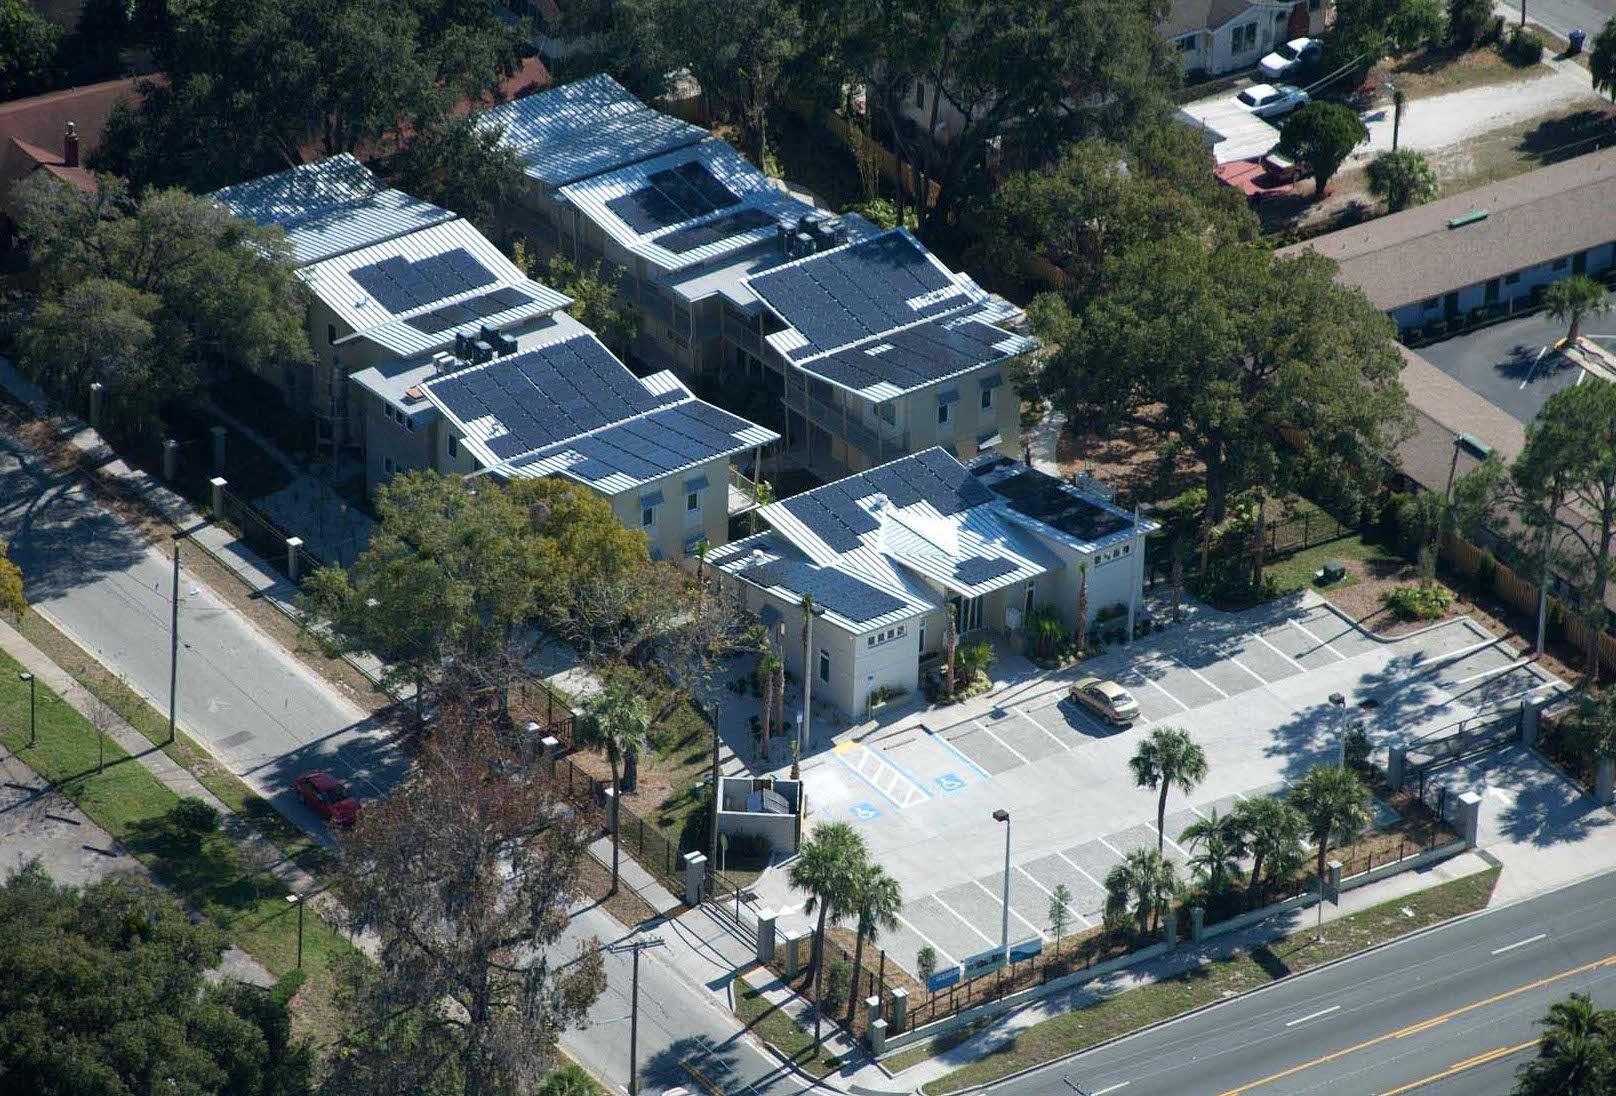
{"x":682,"y":240}
{"x":1043,"y":498}
{"x":402,"y":286}
{"x":838,"y":592}
{"x":980,"y":569}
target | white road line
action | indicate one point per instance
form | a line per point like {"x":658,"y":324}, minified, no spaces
{"x":939,"y":900}
{"x":1278,"y":652}
{"x":1260,"y":678}
{"x":1197,"y":812}
{"x":1079,"y":869}
{"x":1542,"y":350}
{"x":1304,"y":630}
{"x":1112,"y":847}
{"x":1058,"y":740}
{"x":1521,"y":943}
{"x":1169,"y":840}
{"x":988,"y":731}
{"x":930,"y":942}
{"x":1312,"y":1016}
{"x":1034,"y":881}
{"x":1198,"y":674}
{"x":1497,"y":671}
{"x":996,"y":900}
{"x":1164,"y":692}
{"x":1110,"y":1088}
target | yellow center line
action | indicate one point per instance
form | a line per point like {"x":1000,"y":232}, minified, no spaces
{"x":1423,"y":1025}
{"x":1459,"y":1067}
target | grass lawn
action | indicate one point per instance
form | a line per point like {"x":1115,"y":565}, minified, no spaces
{"x":1134,"y":1009}
{"x":781,"y":1031}
{"x":207,"y":872}
{"x":1295,"y":572}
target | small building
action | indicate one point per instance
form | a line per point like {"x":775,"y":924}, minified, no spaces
{"x":887,"y":554}
{"x":1217,"y":36}
{"x":1494,"y":247}
{"x":765,"y":810}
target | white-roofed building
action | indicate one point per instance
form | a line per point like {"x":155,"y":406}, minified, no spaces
{"x":888,"y":553}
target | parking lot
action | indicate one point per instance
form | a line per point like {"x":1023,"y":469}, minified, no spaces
{"x":1510,"y":364}
{"x":1252,"y":688}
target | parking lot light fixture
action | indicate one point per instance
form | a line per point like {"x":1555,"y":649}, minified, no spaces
{"x":29,"y":678}
{"x":1002,"y":815}
{"x":1340,"y":703}
{"x":296,"y":900}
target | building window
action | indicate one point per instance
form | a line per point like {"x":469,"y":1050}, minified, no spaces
{"x":942,"y":413}
{"x":387,"y":465}
{"x":454,"y":447}
{"x":409,"y":423}
{"x":1032,"y":592}
{"x":647,"y":517}
{"x":824,"y":666}
{"x":987,"y":399}
{"x":1511,"y":279}
{"x":693,"y":501}
{"x":1186,"y":44}
{"x":331,"y":333}
{"x":1561,"y":263}
{"x":920,"y":95}
{"x":1429,"y":304}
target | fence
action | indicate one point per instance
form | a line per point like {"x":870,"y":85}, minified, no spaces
{"x":641,"y":839}
{"x":1462,"y":739}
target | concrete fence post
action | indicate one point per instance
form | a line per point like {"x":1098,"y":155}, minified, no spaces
{"x":872,"y":1010}
{"x":900,"y":1008}
{"x":292,"y":546}
{"x":878,"y":1038}
{"x":765,"y":935}
{"x":1468,"y":818}
{"x":793,"y":953}
{"x":695,"y":877}
{"x":171,"y":459}
{"x":218,"y":433}
{"x":1170,"y":925}
{"x":98,"y":399}
{"x":1605,"y":781}
{"x":1397,"y":767}
{"x":1333,"y":881}
{"x":1197,"y":923}
{"x":1531,"y":721}
{"x":552,"y":750}
{"x":216,"y":497}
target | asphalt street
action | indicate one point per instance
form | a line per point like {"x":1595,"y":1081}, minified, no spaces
{"x":1448,"y":1011}
{"x":1562,"y":16}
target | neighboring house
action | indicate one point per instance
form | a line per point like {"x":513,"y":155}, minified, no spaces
{"x":882,"y":350}
{"x":1217,"y":36}
{"x":887,"y":554}
{"x":1493,"y":247}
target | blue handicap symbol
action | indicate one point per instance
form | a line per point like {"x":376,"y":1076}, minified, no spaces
{"x":865,"y":813}
{"x":949,"y":783}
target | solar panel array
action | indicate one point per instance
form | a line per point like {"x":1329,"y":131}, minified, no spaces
{"x":651,"y":447}
{"x":850,"y":294}
{"x":980,"y":569}
{"x":469,"y":312}
{"x":682,"y":240}
{"x":915,"y":357}
{"x":1040,"y":497}
{"x":402,"y":286}
{"x":833,"y":513}
{"x":547,"y":395}
{"x":673,"y":196}
{"x":838,"y":592}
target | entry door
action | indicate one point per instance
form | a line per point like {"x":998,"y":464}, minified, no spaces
{"x":1492,"y":291}
{"x":1579,"y":263}
{"x":1450,"y":305}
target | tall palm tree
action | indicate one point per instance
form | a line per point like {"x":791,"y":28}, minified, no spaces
{"x":1167,"y":757}
{"x":950,"y":647}
{"x":1573,"y":299}
{"x":1334,"y":802}
{"x":1142,"y":886}
{"x":807,"y":606}
{"x":618,"y":723}
{"x":1082,"y":607}
{"x":827,"y":867}
{"x":1272,"y":830}
{"x":1575,"y":1057}
{"x":1218,"y":846}
{"x":780,"y":682}
{"x":766,"y":667}
{"x":877,"y":898}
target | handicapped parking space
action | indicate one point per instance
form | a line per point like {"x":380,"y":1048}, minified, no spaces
{"x":931,"y":763}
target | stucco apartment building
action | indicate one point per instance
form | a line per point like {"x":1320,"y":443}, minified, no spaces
{"x":1217,"y":36}
{"x":888,"y":553}
{"x":1493,"y":247}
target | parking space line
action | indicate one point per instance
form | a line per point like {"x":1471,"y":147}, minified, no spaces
{"x":1151,"y":682}
{"x":929,"y":941}
{"x":987,"y":731}
{"x":1169,"y":840}
{"x":1066,"y":905}
{"x":1278,"y":652}
{"x":1079,"y":869}
{"x":872,"y":785}
{"x":1496,"y":671}
{"x":901,"y":771}
{"x":957,"y":752}
{"x":1260,"y":678}
{"x":939,"y":899}
{"x":1303,"y":629}
{"x":1197,"y":812}
{"x":1115,"y":851}
{"x":1058,"y":741}
{"x":1197,"y":673}
{"x":1041,"y":934}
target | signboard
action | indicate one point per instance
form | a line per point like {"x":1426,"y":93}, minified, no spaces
{"x":983,"y":963}
{"x":943,"y":979}
{"x":1029,"y":948}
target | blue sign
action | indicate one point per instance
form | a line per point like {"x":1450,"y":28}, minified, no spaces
{"x":948,"y":783}
{"x":943,"y":979}
{"x":1026,"y":949}
{"x":864,"y":812}
{"x":983,"y":963}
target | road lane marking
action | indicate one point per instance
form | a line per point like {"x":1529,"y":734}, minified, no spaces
{"x":1423,"y":1025}
{"x":1313,"y":1016}
{"x":1110,"y":1088}
{"x":1521,"y":943}
{"x":1460,"y":1067}
{"x":1542,"y":350}
{"x":987,"y":731}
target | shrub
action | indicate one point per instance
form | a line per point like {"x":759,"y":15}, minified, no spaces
{"x":1494,"y":34}
{"x":1417,"y":602}
{"x":194,"y":816}
{"x":1525,"y":47}
{"x":1468,"y":21}
{"x":925,"y":963}
{"x":974,"y":658}
{"x":1486,"y":570}
{"x":1358,"y":748}
{"x":838,"y":980}
{"x":1115,"y":611}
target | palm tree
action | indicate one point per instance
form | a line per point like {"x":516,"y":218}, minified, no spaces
{"x":1218,"y":846}
{"x":950,"y":647}
{"x":1573,"y":299}
{"x":1575,"y":1057}
{"x":807,"y":606}
{"x":876,"y":902}
{"x":1334,"y":803}
{"x":701,"y":573}
{"x":1404,"y":178}
{"x":1142,"y":886}
{"x":828,"y":866}
{"x":766,"y":667}
{"x":1168,"y":756}
{"x":1082,"y":607}
{"x":1272,"y":830}
{"x":619,"y":724}
{"x":780,"y":682}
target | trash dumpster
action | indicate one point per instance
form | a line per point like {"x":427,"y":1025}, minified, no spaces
{"x":1576,"y":38}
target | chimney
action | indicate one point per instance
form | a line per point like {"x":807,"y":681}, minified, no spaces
{"x":70,"y":146}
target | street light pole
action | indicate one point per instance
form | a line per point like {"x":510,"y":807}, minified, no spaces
{"x":28,"y":677}
{"x":1340,"y":703}
{"x":805,"y":726}
{"x":1002,"y":815}
{"x":174,"y":643}
{"x":297,"y":901}
{"x":635,"y":947}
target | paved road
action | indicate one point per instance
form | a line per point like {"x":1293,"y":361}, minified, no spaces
{"x":1561,"y":16}
{"x":1373,"y":1026}
{"x":253,"y":705}
{"x":1438,"y":121}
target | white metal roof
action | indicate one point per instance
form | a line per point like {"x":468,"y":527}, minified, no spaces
{"x":584,"y":128}
{"x":771,"y":563}
{"x":1230,"y":131}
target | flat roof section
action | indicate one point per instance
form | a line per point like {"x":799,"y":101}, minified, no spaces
{"x":1044,"y":498}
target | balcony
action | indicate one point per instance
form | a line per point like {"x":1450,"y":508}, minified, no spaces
{"x":743,"y":493}
{"x":889,"y":443}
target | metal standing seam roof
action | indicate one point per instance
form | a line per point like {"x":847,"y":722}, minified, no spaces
{"x":329,"y":207}
{"x":772,"y":564}
{"x":586,"y":128}
{"x":334,"y":282}
{"x":758,"y":207}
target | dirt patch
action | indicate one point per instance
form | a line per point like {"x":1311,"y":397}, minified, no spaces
{"x":1437,"y":71}
{"x":1130,"y":459}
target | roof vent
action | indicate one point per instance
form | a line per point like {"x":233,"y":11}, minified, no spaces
{"x":1468,"y":219}
{"x":757,"y":557}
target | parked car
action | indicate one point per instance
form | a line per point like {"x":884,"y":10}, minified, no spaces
{"x":1281,"y":168}
{"x":327,"y":797}
{"x":1272,"y":100}
{"x":1251,"y":178}
{"x":1106,"y":699}
{"x":1291,"y":57}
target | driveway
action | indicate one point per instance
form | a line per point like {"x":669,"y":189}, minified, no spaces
{"x":1439,"y":121}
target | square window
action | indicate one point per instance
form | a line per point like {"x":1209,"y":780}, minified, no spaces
{"x":942,"y":413}
{"x":870,"y":642}
{"x":987,"y":399}
{"x":647,"y":517}
{"x":693,"y":501}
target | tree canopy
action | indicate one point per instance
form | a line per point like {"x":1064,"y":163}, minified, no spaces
{"x":1602,"y":60}
{"x":1323,"y":135}
{"x":101,"y":991}
{"x":459,"y":164}
{"x":11,"y":588}
{"x":1403,"y":178}
{"x":28,"y":50}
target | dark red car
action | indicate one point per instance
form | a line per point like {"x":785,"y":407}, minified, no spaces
{"x":328,"y":797}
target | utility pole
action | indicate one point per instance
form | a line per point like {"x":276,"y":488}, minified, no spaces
{"x":635,"y":946}
{"x":174,"y":642}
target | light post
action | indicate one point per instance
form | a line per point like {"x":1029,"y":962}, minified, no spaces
{"x":174,"y":642}
{"x":1002,"y":815}
{"x":29,"y":678}
{"x":296,"y":900}
{"x":805,"y":719}
{"x":635,"y":947}
{"x":1340,"y":703}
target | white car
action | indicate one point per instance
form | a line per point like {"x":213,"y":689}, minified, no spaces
{"x":1272,"y":100}
{"x":1290,"y":57}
